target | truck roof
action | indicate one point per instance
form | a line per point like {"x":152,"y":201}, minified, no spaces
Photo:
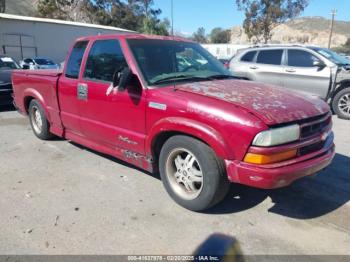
{"x":134,"y":36}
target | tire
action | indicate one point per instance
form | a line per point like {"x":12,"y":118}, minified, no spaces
{"x":198,"y":183}
{"x":341,"y":103}
{"x":38,"y":121}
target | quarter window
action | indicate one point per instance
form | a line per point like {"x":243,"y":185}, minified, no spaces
{"x":299,"y":58}
{"x":75,"y":59}
{"x":105,"y":58}
{"x":248,"y":57}
{"x":270,"y":57}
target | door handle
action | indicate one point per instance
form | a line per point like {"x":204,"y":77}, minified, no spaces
{"x":82,"y":91}
{"x":290,"y":70}
{"x":254,"y":67}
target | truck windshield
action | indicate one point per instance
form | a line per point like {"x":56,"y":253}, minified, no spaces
{"x":166,"y":61}
{"x":333,"y":56}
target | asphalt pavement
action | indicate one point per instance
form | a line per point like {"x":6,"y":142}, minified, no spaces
{"x":57,"y":197}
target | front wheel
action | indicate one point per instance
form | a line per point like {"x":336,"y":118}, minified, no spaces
{"x":341,"y":103}
{"x":192,"y":174}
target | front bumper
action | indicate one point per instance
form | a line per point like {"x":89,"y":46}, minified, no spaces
{"x":281,"y":174}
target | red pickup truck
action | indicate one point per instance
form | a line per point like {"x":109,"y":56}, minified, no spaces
{"x":165,"y":104}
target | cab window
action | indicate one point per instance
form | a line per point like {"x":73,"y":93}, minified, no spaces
{"x":300,"y":58}
{"x":248,"y":57}
{"x":28,"y":60}
{"x":75,"y":59}
{"x":270,"y":57}
{"x":105,"y":58}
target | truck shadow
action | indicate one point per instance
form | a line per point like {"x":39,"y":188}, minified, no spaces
{"x":305,"y":199}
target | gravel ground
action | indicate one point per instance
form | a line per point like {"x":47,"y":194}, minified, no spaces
{"x":60,"y":198}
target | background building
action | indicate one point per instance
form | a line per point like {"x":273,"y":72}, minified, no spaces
{"x":23,"y":36}
{"x":224,"y":51}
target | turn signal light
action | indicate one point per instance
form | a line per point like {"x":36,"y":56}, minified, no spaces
{"x":269,"y":159}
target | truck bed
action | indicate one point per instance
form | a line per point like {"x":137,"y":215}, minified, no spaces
{"x":41,"y":85}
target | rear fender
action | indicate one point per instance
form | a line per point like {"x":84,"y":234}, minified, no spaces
{"x":31,"y":92}
{"x":192,"y":128}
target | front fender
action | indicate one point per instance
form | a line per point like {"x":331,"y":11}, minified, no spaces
{"x":193,"y":128}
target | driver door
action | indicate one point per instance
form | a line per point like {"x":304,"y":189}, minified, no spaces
{"x":117,"y":119}
{"x":303,"y":75}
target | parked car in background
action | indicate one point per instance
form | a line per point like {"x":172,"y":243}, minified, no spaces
{"x":310,"y":69}
{"x":225,"y":62}
{"x":7,"y":65}
{"x":166,"y":105}
{"x":38,"y":63}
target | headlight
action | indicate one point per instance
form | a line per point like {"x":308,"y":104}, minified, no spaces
{"x":277,"y":136}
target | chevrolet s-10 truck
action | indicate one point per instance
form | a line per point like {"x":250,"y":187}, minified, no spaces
{"x":164,"y":104}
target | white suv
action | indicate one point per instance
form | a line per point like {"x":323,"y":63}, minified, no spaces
{"x":310,"y":69}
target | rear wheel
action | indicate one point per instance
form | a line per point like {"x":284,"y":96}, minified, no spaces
{"x":38,"y":121}
{"x":192,"y":174}
{"x":341,"y":103}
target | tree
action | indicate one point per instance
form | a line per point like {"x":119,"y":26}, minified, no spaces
{"x":199,"y":36}
{"x":2,"y":6}
{"x":262,"y":16}
{"x":136,"y":15}
{"x":220,"y":36}
{"x":155,"y":27}
{"x":151,"y":23}
{"x":72,"y":10}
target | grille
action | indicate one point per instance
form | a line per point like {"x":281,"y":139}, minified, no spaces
{"x":311,"y":148}
{"x":315,"y":127}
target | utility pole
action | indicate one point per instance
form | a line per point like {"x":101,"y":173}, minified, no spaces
{"x":172,"y":17}
{"x":334,"y":12}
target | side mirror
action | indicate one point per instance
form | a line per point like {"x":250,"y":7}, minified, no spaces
{"x":319,"y":64}
{"x":121,"y":78}
{"x":25,"y":66}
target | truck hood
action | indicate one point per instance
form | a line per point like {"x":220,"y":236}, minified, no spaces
{"x":273,"y":105}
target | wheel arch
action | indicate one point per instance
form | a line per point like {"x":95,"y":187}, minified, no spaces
{"x":166,"y":128}
{"x":342,"y":85}
{"x":29,"y":95}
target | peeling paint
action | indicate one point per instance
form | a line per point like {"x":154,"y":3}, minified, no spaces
{"x":137,"y":159}
{"x":127,"y":140}
{"x":273,"y":105}
{"x":219,"y":115}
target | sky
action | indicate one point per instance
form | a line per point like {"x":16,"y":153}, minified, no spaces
{"x":189,"y":15}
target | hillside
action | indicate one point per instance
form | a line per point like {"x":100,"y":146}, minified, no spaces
{"x":320,"y":24}
{"x":307,"y":30}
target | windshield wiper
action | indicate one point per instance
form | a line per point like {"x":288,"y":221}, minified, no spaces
{"x":191,"y":77}
{"x":220,"y":76}
{"x":178,"y":77}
